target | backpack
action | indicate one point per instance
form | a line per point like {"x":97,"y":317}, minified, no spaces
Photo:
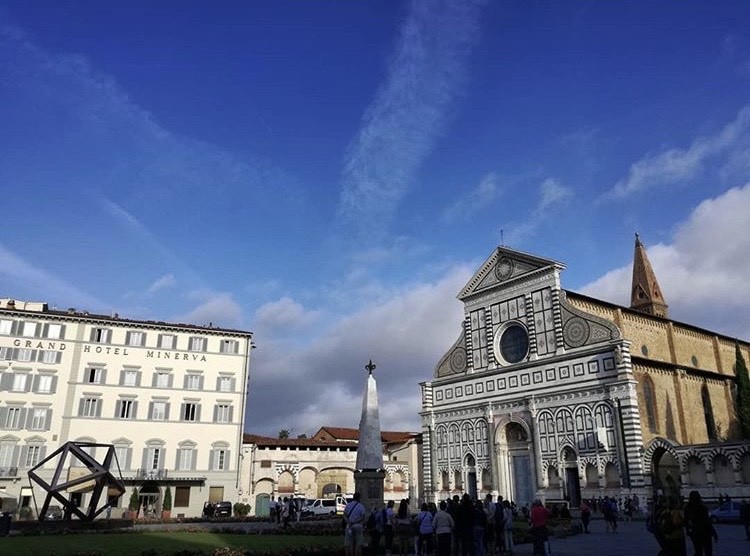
{"x":371,"y":522}
{"x":499,"y":516}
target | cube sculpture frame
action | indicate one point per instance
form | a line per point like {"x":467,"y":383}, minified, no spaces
{"x":99,"y":474}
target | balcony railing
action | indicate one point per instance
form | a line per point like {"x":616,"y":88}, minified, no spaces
{"x":150,"y":473}
{"x":8,"y":471}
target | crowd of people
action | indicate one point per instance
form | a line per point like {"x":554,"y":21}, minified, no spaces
{"x":284,"y":510}
{"x":458,"y":526}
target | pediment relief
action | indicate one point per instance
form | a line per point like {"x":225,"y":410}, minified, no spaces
{"x":582,"y":329}
{"x":504,"y":266}
{"x":455,"y":361}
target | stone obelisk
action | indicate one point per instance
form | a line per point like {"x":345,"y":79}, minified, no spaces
{"x":369,"y":475}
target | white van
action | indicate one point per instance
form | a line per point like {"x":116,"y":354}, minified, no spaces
{"x":325,"y":506}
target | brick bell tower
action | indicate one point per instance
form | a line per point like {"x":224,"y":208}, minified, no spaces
{"x":645,"y":293}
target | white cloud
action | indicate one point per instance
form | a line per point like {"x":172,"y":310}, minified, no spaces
{"x":401,"y":125}
{"x":20,"y":275}
{"x":480,"y":197}
{"x":166,"y":281}
{"x":551,"y":194}
{"x":675,"y":165}
{"x":215,"y":309}
{"x":284,"y":313}
{"x":703,"y":271}
{"x":405,"y":336}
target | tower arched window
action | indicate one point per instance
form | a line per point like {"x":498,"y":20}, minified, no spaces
{"x":708,"y":414}
{"x":649,"y":400}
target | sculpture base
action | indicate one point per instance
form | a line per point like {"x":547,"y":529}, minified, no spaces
{"x":370,"y":485}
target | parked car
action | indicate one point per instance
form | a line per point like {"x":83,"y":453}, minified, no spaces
{"x":728,"y":511}
{"x":223,"y":509}
{"x":322,"y":506}
{"x":53,"y":513}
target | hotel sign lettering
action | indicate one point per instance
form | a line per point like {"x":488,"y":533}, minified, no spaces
{"x":112,"y":350}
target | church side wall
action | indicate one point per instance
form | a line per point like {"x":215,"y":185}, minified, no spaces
{"x":694,"y":349}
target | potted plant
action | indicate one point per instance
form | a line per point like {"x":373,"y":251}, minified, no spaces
{"x":166,"y":505}
{"x":134,"y":504}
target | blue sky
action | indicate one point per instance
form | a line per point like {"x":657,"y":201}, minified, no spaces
{"x":330,"y":174}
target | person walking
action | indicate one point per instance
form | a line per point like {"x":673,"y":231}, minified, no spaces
{"x":403,"y":528}
{"x":354,"y":519}
{"x":698,"y":526}
{"x":672,"y":528}
{"x":508,"y":525}
{"x":443,"y":524}
{"x":389,"y":521}
{"x":426,"y":531}
{"x":745,"y":517}
{"x":538,"y":520}
{"x":585,"y":516}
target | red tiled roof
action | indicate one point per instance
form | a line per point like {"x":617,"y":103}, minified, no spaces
{"x":295,"y":442}
{"x":348,"y":434}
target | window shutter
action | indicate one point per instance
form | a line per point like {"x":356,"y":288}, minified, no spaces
{"x":194,"y":454}
{"x":54,"y":385}
{"x":166,"y":411}
{"x":182,"y":411}
{"x":211,"y":460}
{"x":216,"y":413}
{"x":234,"y":384}
{"x":22,"y":457}
{"x":58,"y":356}
{"x":27,"y":416}
{"x":128,"y":459}
{"x":27,"y":385}
{"x":227,"y":455}
{"x":170,"y":380}
{"x":178,"y":452}
{"x":118,"y":408}
{"x":6,"y":381}
{"x":45,"y":330}
{"x":3,"y":416}
{"x":185,"y":382}
{"x":48,"y":420}
{"x":62,"y":332}
{"x":103,"y":376}
{"x":42,"y":453}
{"x":16,"y":456}
{"x":134,"y":410}
{"x":144,"y":460}
{"x":198,"y":412}
{"x":80,"y":407}
{"x":93,"y":335}
{"x":150,"y":410}
{"x":35,"y":383}
{"x":99,"y":407}
{"x":231,"y":413}
{"x":138,"y":378}
{"x":200,"y":382}
{"x":122,"y":378}
{"x":153,"y":380}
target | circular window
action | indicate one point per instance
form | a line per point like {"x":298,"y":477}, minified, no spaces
{"x":644,"y":349}
{"x":513,"y":343}
{"x":694,"y":360}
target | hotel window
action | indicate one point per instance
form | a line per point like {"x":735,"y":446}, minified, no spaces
{"x":45,"y":384}
{"x":181,"y":497}
{"x":6,"y":353}
{"x":90,"y":407}
{"x":223,"y":413}
{"x":39,"y":419}
{"x":159,"y":411}
{"x":230,"y":346}
{"x":122,"y":453}
{"x":193,"y":382}
{"x":197,"y":343}
{"x":6,"y":455}
{"x":25,"y":355}
{"x":20,"y":382}
{"x":33,"y":455}
{"x":167,"y":341}
{"x":219,"y":459}
{"x":186,"y":458}
{"x":135,"y":338}
{"x":6,"y":326}
{"x":153,"y":458}
{"x":13,"y":418}
{"x":190,"y":411}
{"x":100,"y":335}
{"x":49,"y":357}
{"x":29,"y":329}
{"x":130,"y":377}
{"x":125,"y":409}
{"x":225,"y":384}
{"x":54,"y":331}
{"x":163,"y":379}
{"x":94,"y":375}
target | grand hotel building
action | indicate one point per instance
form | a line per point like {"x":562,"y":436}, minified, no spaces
{"x":169,"y":397}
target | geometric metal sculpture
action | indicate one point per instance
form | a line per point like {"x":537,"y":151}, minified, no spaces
{"x":90,"y":476}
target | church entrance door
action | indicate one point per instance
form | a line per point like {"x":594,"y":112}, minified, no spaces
{"x":471,"y":477}
{"x":572,"y":481}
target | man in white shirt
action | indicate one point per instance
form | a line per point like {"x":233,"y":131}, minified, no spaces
{"x":354,"y":516}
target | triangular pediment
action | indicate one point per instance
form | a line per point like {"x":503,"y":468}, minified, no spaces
{"x":505,"y":266}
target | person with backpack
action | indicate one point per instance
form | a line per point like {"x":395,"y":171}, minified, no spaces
{"x":671,"y":526}
{"x":425,"y":531}
{"x":374,"y":527}
{"x":585,"y":516}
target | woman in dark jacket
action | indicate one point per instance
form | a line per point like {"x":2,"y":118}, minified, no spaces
{"x":698,"y":525}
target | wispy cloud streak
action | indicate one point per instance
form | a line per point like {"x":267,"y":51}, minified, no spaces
{"x":401,"y":125}
{"x":481,"y":196}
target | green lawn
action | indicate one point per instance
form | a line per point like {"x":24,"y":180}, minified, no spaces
{"x":158,"y":542}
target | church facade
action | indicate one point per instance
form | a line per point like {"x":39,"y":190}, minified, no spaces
{"x":552,"y":394}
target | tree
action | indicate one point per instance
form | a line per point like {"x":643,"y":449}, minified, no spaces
{"x":742,"y":400}
{"x":166,"y":504}
{"x":284,"y":433}
{"x":303,"y":435}
{"x":135,"y":501}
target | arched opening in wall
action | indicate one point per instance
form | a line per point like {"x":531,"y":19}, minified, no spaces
{"x":397,"y":482}
{"x":515,"y":434}
{"x":458,"y":480}
{"x":471,"y":475}
{"x":572,"y":481}
{"x":306,"y":485}
{"x":486,"y":480}
{"x":665,"y":476}
{"x":611,"y":475}
{"x":445,"y":480}
{"x":150,"y":497}
{"x":745,"y":468}
{"x":592,"y":476}
{"x":285,"y":483}
{"x":696,"y":471}
{"x":329,"y":490}
{"x":649,"y":400}
{"x":553,"y":478}
{"x":723,"y":474}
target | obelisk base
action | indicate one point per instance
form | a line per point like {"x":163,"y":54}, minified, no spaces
{"x":370,"y":485}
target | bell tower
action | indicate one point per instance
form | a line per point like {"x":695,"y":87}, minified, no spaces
{"x":645,"y":293}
